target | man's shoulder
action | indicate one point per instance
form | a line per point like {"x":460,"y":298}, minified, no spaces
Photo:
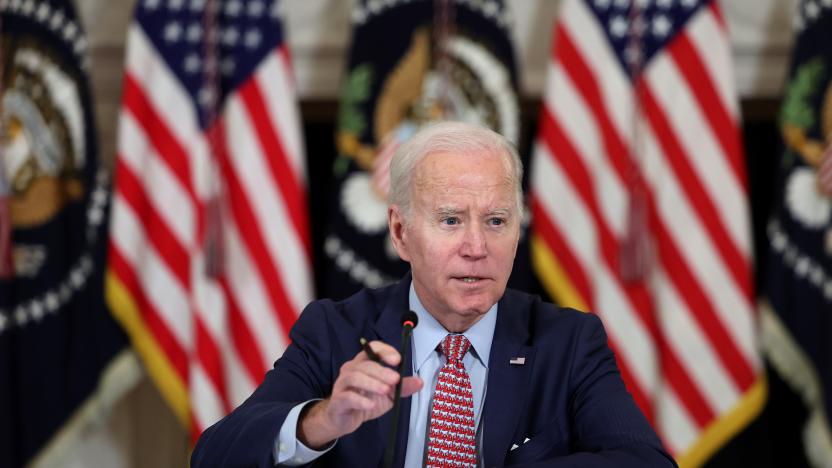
{"x":359,"y":308}
{"x":544,"y":318}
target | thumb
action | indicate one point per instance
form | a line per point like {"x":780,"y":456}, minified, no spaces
{"x":411,"y":385}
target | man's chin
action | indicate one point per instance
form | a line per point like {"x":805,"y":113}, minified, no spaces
{"x":474,"y":308}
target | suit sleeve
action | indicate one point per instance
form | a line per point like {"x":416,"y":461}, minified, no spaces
{"x":609,"y":430}
{"x":246,"y":437}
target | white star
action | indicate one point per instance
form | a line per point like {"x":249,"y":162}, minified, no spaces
{"x":99,"y":196}
{"x":505,"y":20}
{"x":230,"y":36}
{"x":151,"y":4}
{"x":798,"y":22}
{"x":28,"y":7}
{"x":802,"y":266}
{"x":664,"y":3}
{"x":491,"y":9}
{"x":20,"y":316}
{"x":76,"y":278}
{"x":359,"y":16}
{"x":173,"y":31}
{"x":374,"y":279}
{"x":96,"y":215}
{"x":227,"y":66}
{"x":205,"y":96}
{"x":69,"y":31}
{"x":602,"y":4}
{"x":345,"y":260}
{"x":197,"y":5}
{"x":642,"y":4}
{"x":778,"y":241}
{"x":816,"y":275}
{"x":43,"y":12}
{"x":233,"y":8}
{"x":79,"y":45}
{"x":618,"y":26}
{"x":812,"y":10}
{"x":52,"y":302}
{"x":622,"y":4}
{"x":661,"y":26}
{"x":359,"y":270}
{"x":175,"y":5}
{"x":826,"y":3}
{"x":375,"y":6}
{"x":689,"y":3}
{"x":57,"y":19}
{"x":37,"y":310}
{"x":256,"y":8}
{"x":276,"y":11}
{"x":194,"y":33}
{"x":253,"y":38}
{"x":192,"y":63}
{"x":331,"y":245}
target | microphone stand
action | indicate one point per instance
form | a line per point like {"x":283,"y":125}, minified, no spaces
{"x":407,"y":331}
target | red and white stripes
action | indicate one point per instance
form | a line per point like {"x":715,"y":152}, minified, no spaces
{"x":218,"y":335}
{"x":685,"y":337}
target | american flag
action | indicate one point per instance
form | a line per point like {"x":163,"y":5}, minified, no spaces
{"x":640,"y":113}
{"x":207,"y":340}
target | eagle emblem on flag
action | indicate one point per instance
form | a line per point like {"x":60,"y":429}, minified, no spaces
{"x":443,"y":60}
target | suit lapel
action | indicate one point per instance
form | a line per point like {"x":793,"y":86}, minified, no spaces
{"x":388,"y":328}
{"x":508,"y":383}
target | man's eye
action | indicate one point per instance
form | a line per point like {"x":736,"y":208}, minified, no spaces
{"x":496,"y":221}
{"x":450,"y":221}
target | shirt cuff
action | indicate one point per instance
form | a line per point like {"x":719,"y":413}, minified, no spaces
{"x":290,"y":451}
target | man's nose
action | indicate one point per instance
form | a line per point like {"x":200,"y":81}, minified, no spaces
{"x":474,"y":243}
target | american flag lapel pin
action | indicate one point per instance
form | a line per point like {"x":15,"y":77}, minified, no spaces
{"x":518,"y":361}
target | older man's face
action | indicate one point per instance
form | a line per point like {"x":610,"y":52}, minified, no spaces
{"x":461,"y":236}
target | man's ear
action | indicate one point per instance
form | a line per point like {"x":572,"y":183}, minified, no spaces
{"x":395,"y":222}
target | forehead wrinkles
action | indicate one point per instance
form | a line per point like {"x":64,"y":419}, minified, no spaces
{"x":433,"y":174}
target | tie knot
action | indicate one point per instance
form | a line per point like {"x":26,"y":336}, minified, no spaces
{"x":454,"y":347}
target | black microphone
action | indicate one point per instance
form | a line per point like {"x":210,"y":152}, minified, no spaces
{"x":409,"y":322}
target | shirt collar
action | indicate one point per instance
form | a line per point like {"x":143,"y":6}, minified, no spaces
{"x":429,"y":333}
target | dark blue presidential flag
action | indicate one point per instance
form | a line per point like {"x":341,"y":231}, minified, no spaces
{"x":56,"y":336}
{"x":797,"y":320}
{"x":412,"y":62}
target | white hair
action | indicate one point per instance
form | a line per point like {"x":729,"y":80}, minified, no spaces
{"x":455,"y":138}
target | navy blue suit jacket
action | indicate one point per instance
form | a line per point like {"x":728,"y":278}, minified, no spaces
{"x":568,"y":398}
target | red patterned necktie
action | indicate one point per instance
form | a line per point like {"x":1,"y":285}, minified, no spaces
{"x":452,"y":437}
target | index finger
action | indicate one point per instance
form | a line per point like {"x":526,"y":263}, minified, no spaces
{"x":388,"y":354}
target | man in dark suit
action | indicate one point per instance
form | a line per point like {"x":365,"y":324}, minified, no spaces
{"x":496,"y":377}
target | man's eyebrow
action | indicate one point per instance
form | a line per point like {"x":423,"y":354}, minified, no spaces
{"x":504,"y":212}
{"x":447,"y":211}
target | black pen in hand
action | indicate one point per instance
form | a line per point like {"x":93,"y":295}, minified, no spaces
{"x":368,"y":350}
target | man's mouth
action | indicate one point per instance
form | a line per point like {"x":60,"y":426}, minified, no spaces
{"x":469,"y":279}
